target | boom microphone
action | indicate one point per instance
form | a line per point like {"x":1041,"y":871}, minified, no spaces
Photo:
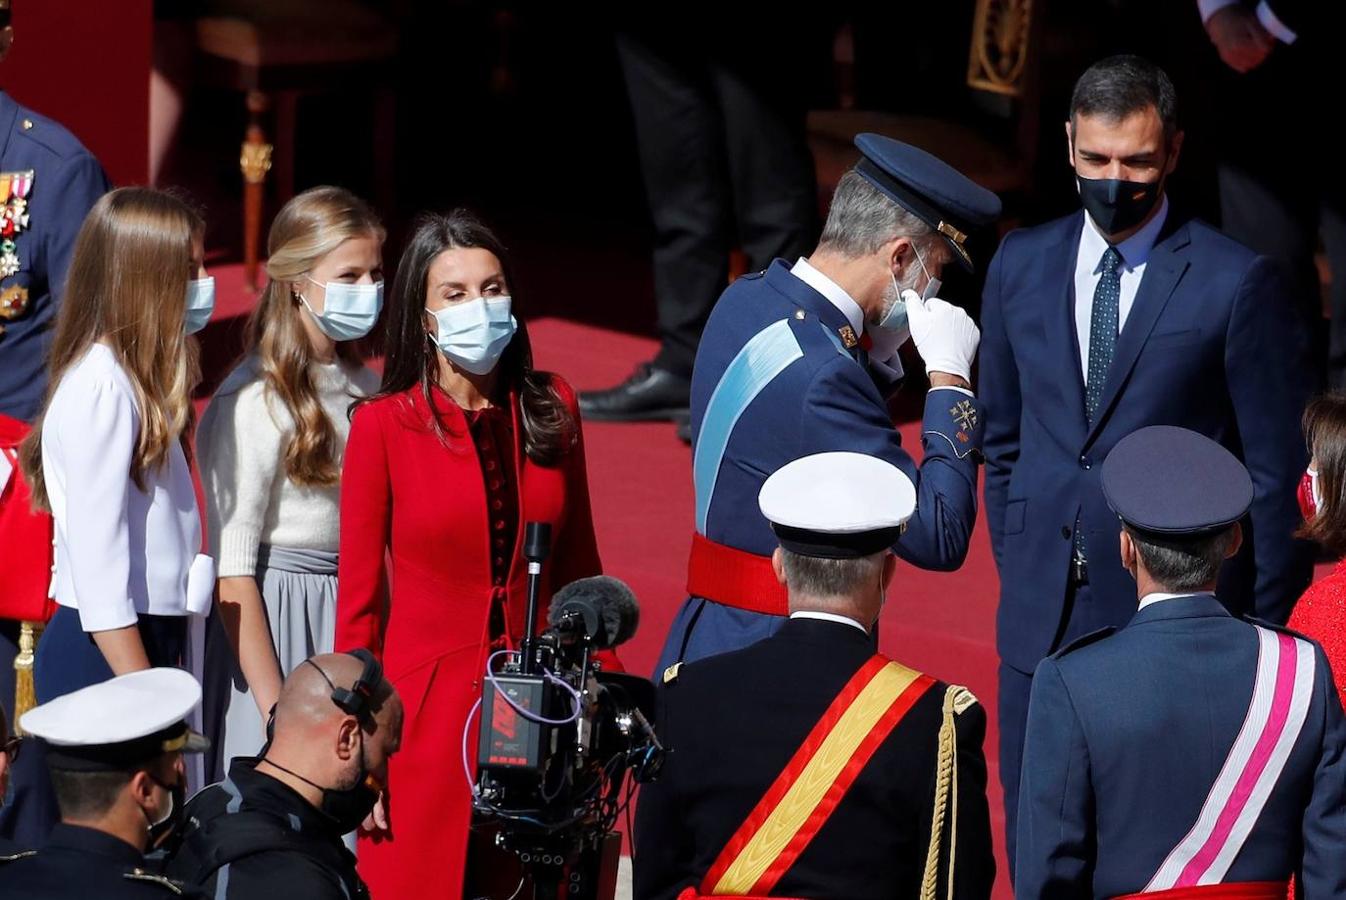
{"x":601,"y":607}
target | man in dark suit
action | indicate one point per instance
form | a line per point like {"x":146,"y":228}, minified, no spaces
{"x":807,"y":765}
{"x":1121,"y":316}
{"x":1276,"y":59}
{"x":1191,"y":748}
{"x":719,"y":123}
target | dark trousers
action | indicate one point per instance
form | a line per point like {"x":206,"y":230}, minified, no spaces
{"x":726,"y":164}
{"x":67,"y":660}
{"x":1272,"y":199}
{"x":1012,"y":714}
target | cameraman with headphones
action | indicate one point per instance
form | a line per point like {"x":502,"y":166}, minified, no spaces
{"x":273,"y":828}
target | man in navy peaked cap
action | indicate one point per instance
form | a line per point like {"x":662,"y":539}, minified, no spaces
{"x":800,"y":359}
{"x":1190,"y":749}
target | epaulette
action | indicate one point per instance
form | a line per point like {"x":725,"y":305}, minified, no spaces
{"x":22,"y":854}
{"x":1253,"y":620}
{"x":51,"y":135}
{"x":162,"y":880}
{"x":671,"y":673}
{"x":959,"y":698}
{"x":1092,"y":637}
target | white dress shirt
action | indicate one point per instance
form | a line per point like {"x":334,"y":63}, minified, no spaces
{"x":120,"y":551}
{"x":1135,"y":252}
{"x":837,"y":296}
{"x":1159,"y":597}
{"x":829,"y":617}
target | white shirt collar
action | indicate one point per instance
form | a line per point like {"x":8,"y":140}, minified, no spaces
{"x":805,"y":272}
{"x":1159,"y":598}
{"x":828,"y":617}
{"x":1135,"y":250}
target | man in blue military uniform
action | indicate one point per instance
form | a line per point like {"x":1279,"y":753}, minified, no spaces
{"x":1191,"y":749}
{"x":115,"y":754}
{"x":808,"y":765}
{"x":799,"y":359}
{"x":48,"y":183}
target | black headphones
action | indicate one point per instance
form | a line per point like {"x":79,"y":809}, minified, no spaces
{"x":358,"y":699}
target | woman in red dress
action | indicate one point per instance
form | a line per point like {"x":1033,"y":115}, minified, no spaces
{"x":464,"y":443}
{"x":1321,"y":612}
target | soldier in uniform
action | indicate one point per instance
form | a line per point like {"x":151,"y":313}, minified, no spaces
{"x":48,"y":183}
{"x":799,"y":359}
{"x":807,"y":765}
{"x":1192,"y":753}
{"x":114,"y":750}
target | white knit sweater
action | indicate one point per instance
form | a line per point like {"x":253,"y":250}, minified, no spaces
{"x":240,"y":447}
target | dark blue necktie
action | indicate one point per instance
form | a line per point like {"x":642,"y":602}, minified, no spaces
{"x":1103,"y":330}
{"x":1102,"y":345}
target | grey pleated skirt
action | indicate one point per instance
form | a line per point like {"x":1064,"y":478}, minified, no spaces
{"x":299,"y":592}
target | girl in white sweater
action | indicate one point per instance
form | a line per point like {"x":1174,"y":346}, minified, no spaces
{"x":270,"y":447}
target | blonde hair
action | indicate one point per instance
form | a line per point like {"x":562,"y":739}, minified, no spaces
{"x":127,"y":288}
{"x":306,"y":229}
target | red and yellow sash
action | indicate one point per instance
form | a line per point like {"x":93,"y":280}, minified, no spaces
{"x":816,"y":779}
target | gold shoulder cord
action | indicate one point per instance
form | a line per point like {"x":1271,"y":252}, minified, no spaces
{"x":956,"y":700}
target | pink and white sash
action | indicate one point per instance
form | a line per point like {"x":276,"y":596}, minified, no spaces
{"x":1280,"y":702}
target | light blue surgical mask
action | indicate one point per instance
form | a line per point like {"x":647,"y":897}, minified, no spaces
{"x":896,"y":317}
{"x":474,"y":333}
{"x":200,"y":303}
{"x":349,"y":311}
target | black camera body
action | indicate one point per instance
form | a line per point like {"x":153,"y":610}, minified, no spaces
{"x":563,"y":743}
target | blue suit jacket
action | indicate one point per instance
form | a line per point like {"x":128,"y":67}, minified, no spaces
{"x":1211,"y":344}
{"x":825,"y":400}
{"x":1127,"y":735}
{"x":67,"y":181}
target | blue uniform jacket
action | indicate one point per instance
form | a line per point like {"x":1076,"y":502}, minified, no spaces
{"x":67,"y":181}
{"x":826,"y":400}
{"x":1126,"y":737}
{"x":1211,"y":344}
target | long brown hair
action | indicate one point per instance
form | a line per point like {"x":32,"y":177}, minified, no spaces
{"x":1325,"y":432}
{"x":549,"y":430}
{"x":127,"y":288}
{"x":306,"y":229}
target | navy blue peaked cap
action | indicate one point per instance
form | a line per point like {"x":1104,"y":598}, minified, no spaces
{"x":1171,"y":481}
{"x":941,"y":196}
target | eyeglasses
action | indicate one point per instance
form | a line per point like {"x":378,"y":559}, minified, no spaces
{"x":11,"y":748}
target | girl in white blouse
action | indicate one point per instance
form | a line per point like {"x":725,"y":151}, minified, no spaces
{"x":270,"y":447}
{"x":107,"y":456}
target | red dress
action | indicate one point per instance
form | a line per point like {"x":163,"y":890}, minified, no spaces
{"x":439,"y":513}
{"x":1321,"y":614}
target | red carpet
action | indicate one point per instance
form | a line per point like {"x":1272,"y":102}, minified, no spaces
{"x":641,"y":487}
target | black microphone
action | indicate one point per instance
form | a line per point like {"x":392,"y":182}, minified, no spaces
{"x":536,"y":547}
{"x":601,"y":607}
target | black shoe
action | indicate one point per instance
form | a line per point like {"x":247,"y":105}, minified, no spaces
{"x":650,"y":394}
{"x":684,"y":431}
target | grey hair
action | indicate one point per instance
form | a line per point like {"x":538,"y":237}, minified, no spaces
{"x":1184,"y":564}
{"x":862,"y":219}
{"x":809,"y":576}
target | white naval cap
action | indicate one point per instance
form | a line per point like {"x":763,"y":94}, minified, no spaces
{"x":119,"y":723}
{"x":838,"y":505}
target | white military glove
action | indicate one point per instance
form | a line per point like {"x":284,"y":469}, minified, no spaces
{"x":945,"y":335}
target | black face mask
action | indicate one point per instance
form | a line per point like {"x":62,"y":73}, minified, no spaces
{"x":346,"y":807}
{"x":177,"y":797}
{"x":1115,"y":205}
